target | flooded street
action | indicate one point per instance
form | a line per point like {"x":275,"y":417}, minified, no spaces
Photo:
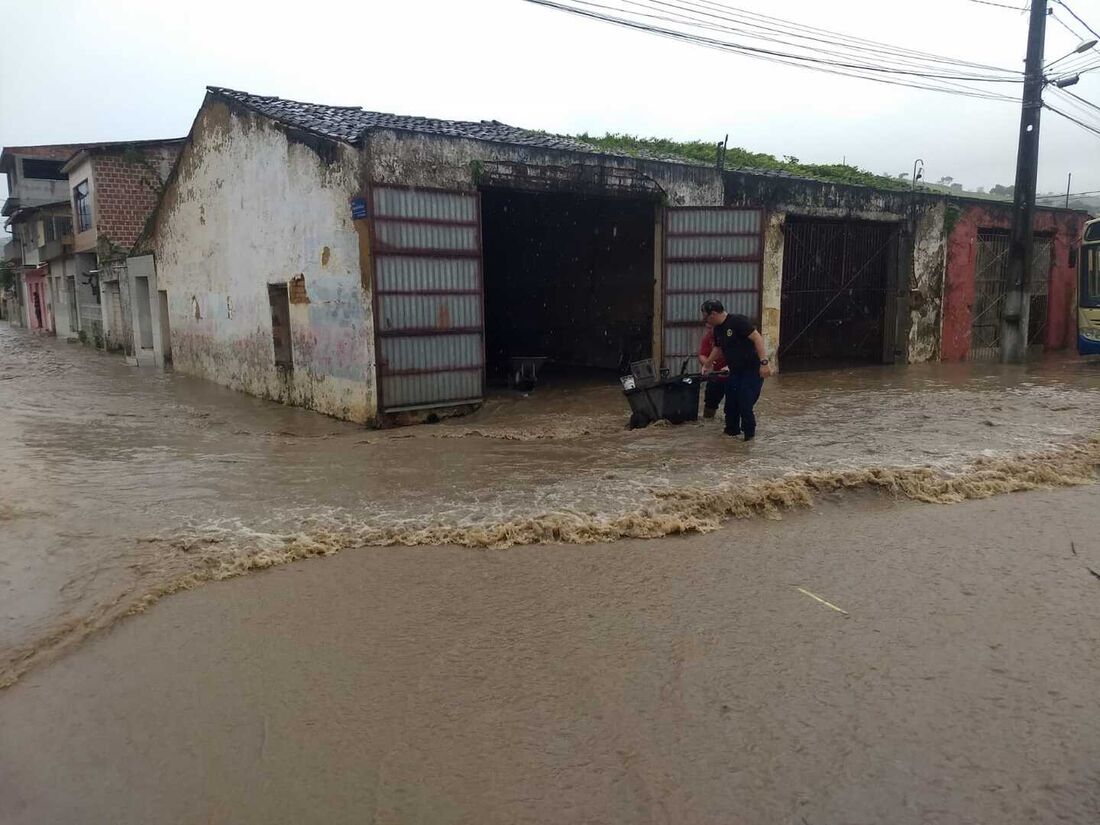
{"x":122,"y":485}
{"x":865,"y":660}
{"x":682,"y":680}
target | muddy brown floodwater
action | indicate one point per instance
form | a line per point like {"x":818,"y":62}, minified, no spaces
{"x":681,"y":681}
{"x":120,"y":485}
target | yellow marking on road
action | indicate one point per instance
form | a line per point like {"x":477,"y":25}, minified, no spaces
{"x":819,"y":599}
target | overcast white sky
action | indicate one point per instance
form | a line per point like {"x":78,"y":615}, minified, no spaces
{"x":80,"y":70}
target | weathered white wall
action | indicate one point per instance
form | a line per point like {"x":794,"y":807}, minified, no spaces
{"x":926,"y":285}
{"x":34,"y":191}
{"x":250,"y":207}
{"x":60,"y":270}
{"x":89,"y":309}
{"x":28,"y":237}
{"x":772,"y":284}
{"x":143,"y":266}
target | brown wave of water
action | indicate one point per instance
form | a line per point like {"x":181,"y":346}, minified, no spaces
{"x":217,"y":552}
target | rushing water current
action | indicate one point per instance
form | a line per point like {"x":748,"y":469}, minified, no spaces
{"x":120,"y":485}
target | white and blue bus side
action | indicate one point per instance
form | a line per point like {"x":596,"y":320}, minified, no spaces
{"x":1088,"y":293}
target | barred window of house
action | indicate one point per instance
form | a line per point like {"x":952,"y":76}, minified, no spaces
{"x":82,"y":206}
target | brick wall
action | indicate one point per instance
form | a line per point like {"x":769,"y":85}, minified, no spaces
{"x":126,"y":186}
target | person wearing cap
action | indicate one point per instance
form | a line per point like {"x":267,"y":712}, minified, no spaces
{"x":737,"y":339}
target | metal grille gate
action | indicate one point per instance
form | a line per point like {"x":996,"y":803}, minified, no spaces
{"x":714,"y":252}
{"x":1042,"y":257}
{"x":989,"y":292}
{"x":837,"y":278}
{"x":428,"y":297}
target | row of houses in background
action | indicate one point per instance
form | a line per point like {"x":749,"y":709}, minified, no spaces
{"x":74,"y":212}
{"x":378,"y":267}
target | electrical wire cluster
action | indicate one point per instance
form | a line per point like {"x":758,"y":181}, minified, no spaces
{"x":723,"y":27}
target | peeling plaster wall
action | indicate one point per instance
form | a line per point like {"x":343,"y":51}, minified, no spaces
{"x":60,"y":269}
{"x":772,"y":284}
{"x":926,"y":283}
{"x":962,"y":255}
{"x":252,"y":204}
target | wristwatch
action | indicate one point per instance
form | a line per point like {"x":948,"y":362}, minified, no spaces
{"x":764,"y":362}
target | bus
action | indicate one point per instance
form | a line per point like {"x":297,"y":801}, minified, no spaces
{"x":1088,"y":295}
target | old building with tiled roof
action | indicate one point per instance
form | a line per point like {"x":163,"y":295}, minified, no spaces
{"x":383,"y":268}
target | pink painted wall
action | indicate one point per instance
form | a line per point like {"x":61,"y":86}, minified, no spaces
{"x":962,"y":249}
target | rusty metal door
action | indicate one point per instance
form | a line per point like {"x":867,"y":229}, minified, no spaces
{"x":837,"y":301}
{"x":709,"y":252}
{"x":428,"y":297}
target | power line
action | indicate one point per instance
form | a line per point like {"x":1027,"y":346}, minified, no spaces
{"x":912,"y":79}
{"x":1090,"y":64}
{"x":791,"y":28}
{"x":1083,"y":117}
{"x":1070,"y":195}
{"x":1075,"y":63}
{"x":1065,"y":6}
{"x":690,"y":18}
{"x":1065,"y":25}
{"x":1088,"y":68}
{"x":1082,"y":124}
{"x":1088,"y":103}
{"x":1084,"y":109}
{"x":998,"y":5}
{"x":692,"y":15}
{"x":927,"y":73}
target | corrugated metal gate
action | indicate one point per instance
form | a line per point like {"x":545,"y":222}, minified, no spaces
{"x":989,"y":292}
{"x":428,"y":304}
{"x":837,"y":279}
{"x":714,"y":252}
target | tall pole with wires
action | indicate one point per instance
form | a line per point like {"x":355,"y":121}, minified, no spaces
{"x":1014,"y":311}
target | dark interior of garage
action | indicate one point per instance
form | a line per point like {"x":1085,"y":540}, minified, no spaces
{"x":836,"y":282}
{"x":568,"y":278}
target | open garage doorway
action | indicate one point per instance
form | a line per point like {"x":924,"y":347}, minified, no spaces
{"x":836,"y":306}
{"x":568,"y":278}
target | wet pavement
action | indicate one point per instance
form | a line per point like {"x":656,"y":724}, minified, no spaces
{"x":121,"y":485}
{"x":684,"y":680}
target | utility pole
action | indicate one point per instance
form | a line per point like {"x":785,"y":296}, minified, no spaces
{"x":1069,"y":182}
{"x":1013,"y":314}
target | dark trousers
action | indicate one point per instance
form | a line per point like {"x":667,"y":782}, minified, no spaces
{"x":742,"y":392}
{"x":713,"y":393}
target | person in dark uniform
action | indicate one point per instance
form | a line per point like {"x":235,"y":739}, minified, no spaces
{"x":742,"y":345}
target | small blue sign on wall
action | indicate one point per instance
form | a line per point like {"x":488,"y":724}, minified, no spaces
{"x":358,"y":208}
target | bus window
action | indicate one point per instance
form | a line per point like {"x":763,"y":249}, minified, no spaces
{"x":1090,"y":280}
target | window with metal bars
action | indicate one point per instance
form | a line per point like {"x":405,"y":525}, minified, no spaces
{"x":82,"y":205}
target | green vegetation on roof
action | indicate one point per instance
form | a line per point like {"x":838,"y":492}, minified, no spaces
{"x":698,"y":151}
